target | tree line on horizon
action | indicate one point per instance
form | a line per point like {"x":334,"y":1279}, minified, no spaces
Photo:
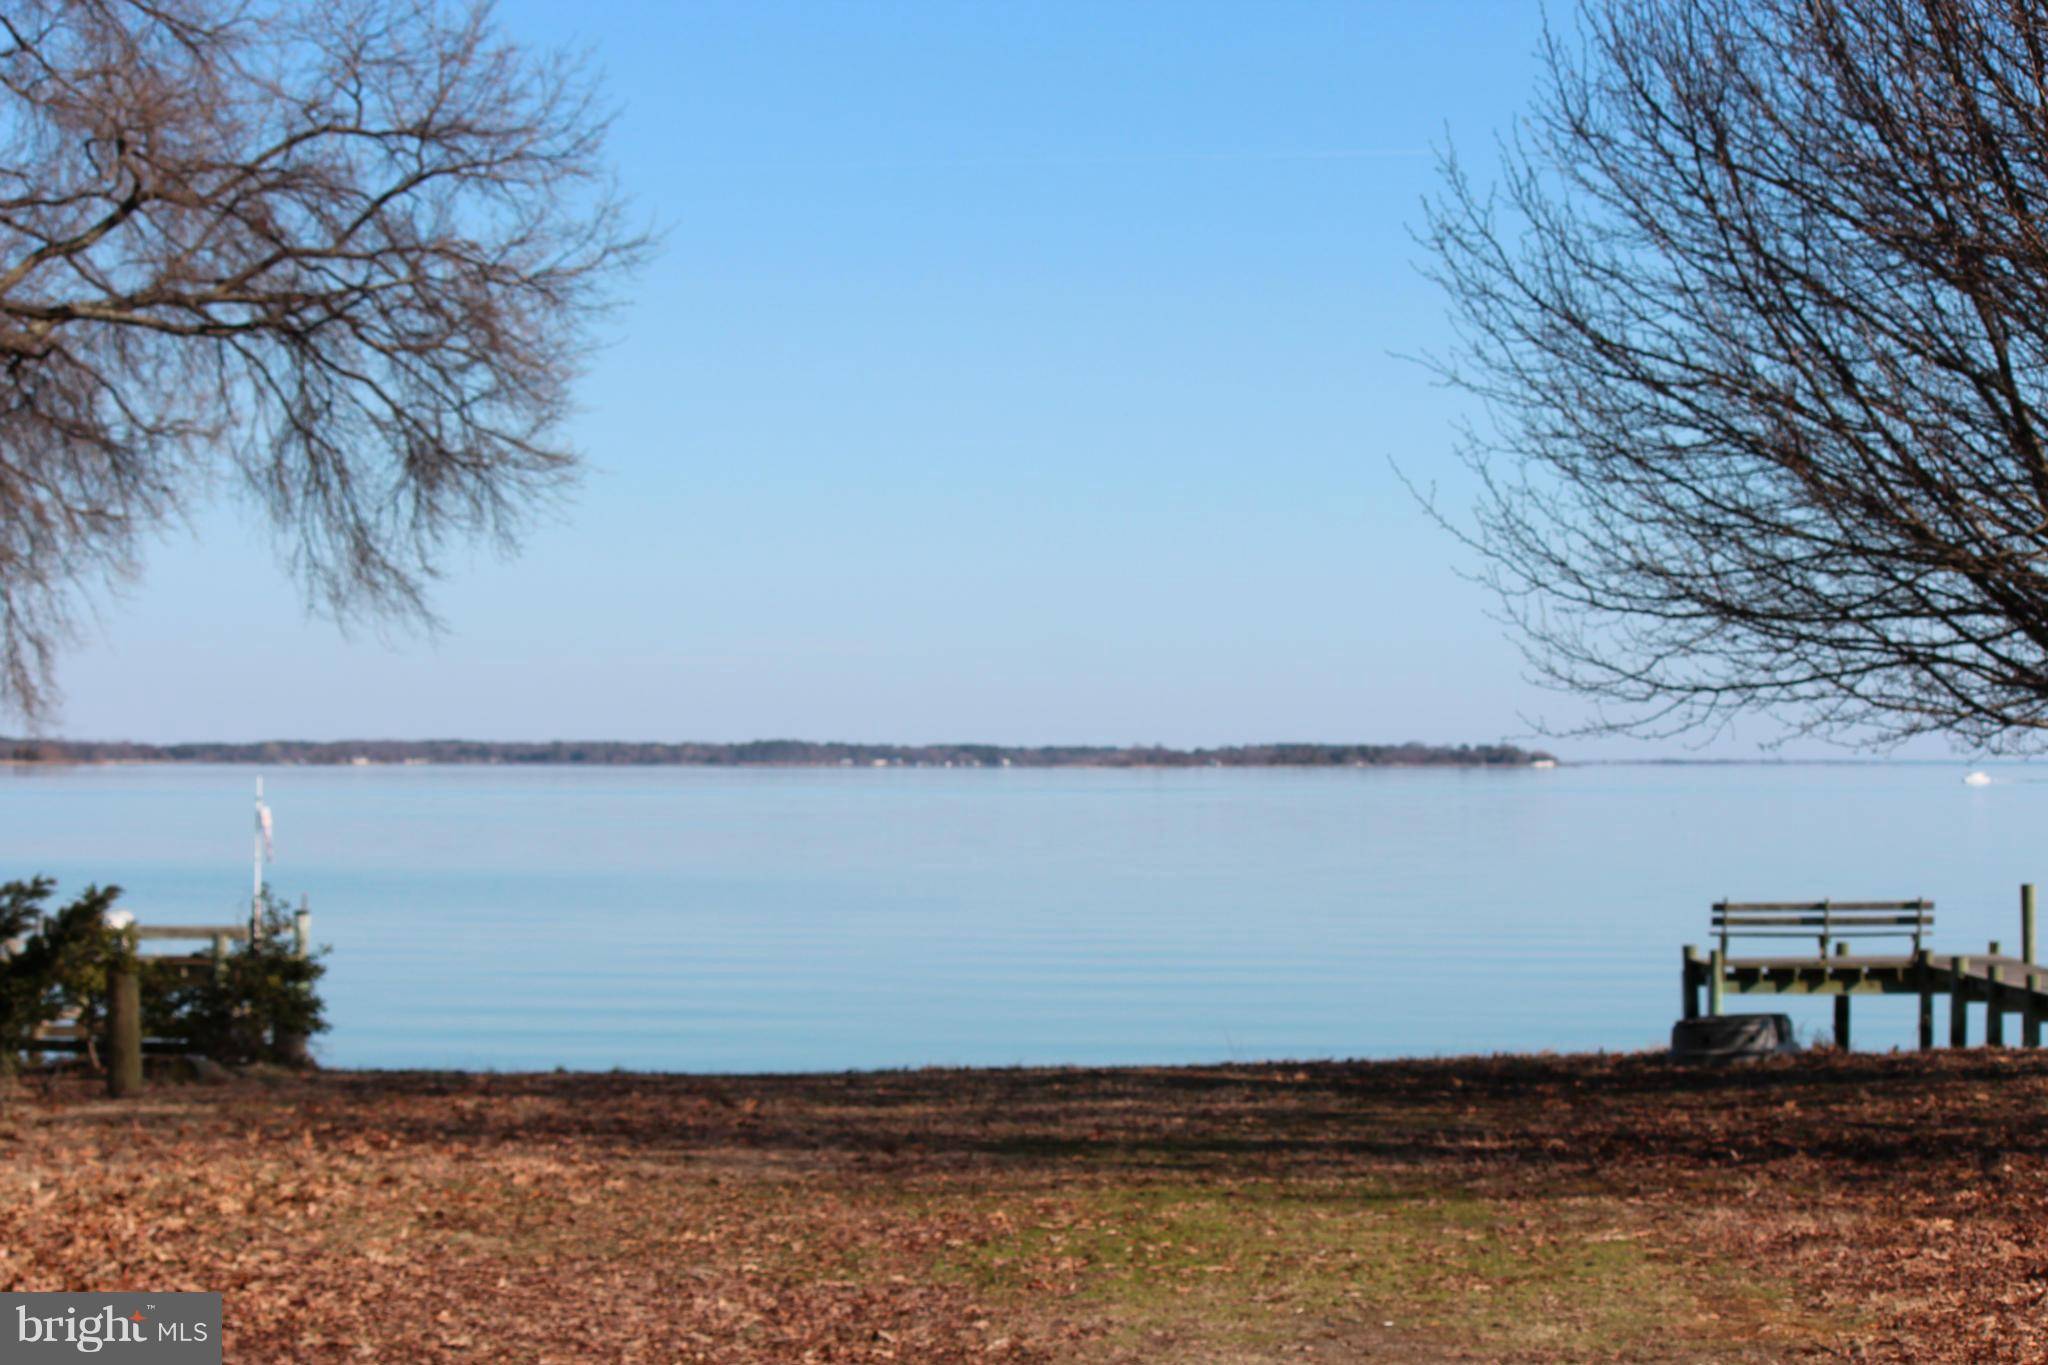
{"x":773,"y":752}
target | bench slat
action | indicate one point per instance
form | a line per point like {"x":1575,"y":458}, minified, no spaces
{"x":1823,"y":905}
{"x":1846,"y":921}
{"x":1815,"y":933}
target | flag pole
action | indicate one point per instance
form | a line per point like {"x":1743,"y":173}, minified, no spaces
{"x":256,"y":895}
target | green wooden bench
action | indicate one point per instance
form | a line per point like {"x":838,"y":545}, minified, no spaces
{"x":1824,"y":921}
{"x":1829,"y":924}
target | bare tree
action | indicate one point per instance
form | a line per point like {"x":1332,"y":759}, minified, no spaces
{"x":345,"y":254}
{"x":1759,"y":314}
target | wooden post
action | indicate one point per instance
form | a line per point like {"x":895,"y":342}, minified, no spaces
{"x":1689,"y":980}
{"x":1994,"y":1007}
{"x":220,"y":956}
{"x":294,"y":1048}
{"x":1714,"y":967}
{"x":124,"y":1032}
{"x":1842,"y":1006}
{"x":2030,"y":1020}
{"x":1994,"y":1026}
{"x":1958,"y":1003}
{"x":2027,"y":921}
{"x":1923,"y":972}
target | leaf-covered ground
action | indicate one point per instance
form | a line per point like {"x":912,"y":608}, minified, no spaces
{"x":1539,"y":1209}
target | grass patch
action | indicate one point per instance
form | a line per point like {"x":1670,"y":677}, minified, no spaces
{"x":1257,"y":1264}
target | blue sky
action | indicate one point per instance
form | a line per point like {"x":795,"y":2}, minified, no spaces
{"x":1020,"y":373}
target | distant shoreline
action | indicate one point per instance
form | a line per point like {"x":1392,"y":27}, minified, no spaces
{"x":776,"y":753}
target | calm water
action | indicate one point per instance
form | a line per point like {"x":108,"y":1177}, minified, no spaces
{"x":698,"y":919}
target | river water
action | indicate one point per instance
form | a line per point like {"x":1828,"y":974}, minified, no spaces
{"x":794,"y":919}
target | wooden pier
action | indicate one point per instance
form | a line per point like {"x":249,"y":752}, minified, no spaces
{"x":123,"y":1033}
{"x":2003,"y":984}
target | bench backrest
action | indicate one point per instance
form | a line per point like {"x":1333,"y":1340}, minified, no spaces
{"x":1823,"y":920}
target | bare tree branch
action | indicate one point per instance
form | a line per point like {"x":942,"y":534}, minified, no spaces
{"x":1759,"y":318}
{"x":350,"y":251}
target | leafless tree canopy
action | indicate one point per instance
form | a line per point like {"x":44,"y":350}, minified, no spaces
{"x":1759,"y":312}
{"x":344,"y":253}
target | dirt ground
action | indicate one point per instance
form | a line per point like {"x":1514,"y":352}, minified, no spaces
{"x":1524,"y":1209}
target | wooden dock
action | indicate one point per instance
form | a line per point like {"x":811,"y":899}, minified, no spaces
{"x":2003,"y":984}
{"x":123,"y":1031}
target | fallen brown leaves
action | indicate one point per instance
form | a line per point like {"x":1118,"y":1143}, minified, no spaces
{"x":1530,"y":1208}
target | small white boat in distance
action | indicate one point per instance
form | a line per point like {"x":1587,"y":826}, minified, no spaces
{"x":1979,"y":778}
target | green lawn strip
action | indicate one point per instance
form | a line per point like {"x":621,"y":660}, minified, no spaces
{"x":1261,"y":1263}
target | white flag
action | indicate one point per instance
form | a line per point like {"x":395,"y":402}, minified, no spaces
{"x":263,"y":828}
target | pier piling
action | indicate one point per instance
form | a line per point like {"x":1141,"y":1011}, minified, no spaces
{"x":1923,"y":973}
{"x":1959,"y":1006}
{"x":1994,"y":1012}
{"x":1842,"y":1007}
{"x":2030,"y":1014}
{"x":124,"y":1032}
